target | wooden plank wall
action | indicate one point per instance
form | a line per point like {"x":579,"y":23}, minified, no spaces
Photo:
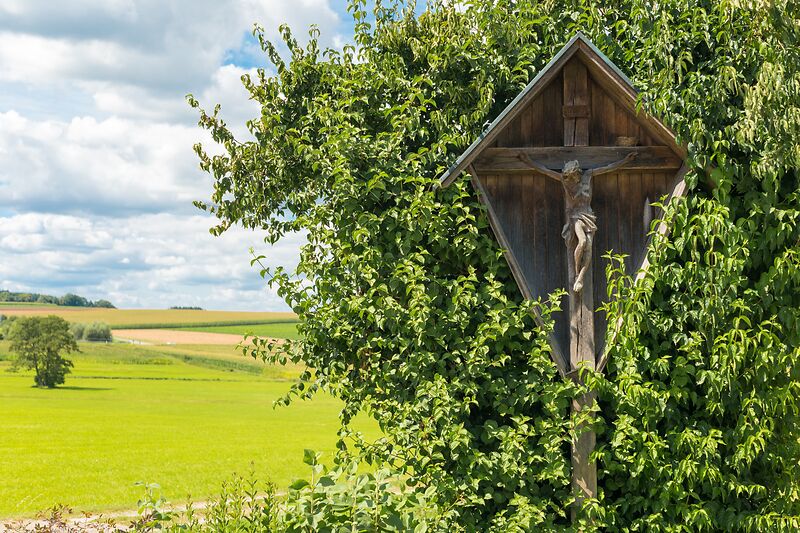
{"x":532,"y":223}
{"x":620,"y":202}
{"x":531,"y":206}
{"x":541,"y":123}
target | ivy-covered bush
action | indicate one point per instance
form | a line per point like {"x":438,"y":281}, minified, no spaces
{"x":408,"y":310}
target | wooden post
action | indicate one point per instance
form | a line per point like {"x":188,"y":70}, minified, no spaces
{"x":581,"y":304}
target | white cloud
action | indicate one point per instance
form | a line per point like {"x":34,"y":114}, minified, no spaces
{"x":108,"y":166}
{"x":134,"y":262}
{"x":227,"y":91}
{"x":97,"y":172}
{"x":141,"y":58}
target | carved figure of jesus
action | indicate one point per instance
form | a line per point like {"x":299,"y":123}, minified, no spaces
{"x":581,"y":221}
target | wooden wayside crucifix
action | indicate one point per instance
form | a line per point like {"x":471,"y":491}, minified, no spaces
{"x":568,"y":171}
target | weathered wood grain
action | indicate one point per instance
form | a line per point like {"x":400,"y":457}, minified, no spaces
{"x":570,"y":88}
{"x":552,"y":128}
{"x":584,"y":471}
{"x":541,"y":262}
{"x":637,"y":227}
{"x":508,"y":159}
{"x":581,"y":98}
{"x":602,"y":197}
{"x":624,"y":94}
{"x":676,"y":188}
{"x":506,"y":218}
{"x":575,"y":111}
{"x":500,"y":232}
{"x":596,"y":110}
{"x":581,"y":302}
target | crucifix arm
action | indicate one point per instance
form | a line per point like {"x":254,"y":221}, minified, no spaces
{"x":614,"y":166}
{"x":539,"y":167}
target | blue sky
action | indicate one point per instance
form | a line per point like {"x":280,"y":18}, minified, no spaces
{"x":97,"y":172}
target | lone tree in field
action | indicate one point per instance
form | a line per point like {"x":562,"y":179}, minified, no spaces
{"x":39,"y":343}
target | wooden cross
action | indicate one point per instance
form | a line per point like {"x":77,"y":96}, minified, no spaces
{"x":578,"y":233}
{"x":575,"y":121}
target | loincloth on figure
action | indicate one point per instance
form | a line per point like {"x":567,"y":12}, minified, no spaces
{"x":589,"y":224}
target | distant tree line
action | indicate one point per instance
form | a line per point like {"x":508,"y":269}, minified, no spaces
{"x":69,"y":299}
{"x":186,"y":308}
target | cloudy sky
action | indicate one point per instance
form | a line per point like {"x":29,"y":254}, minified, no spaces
{"x":97,"y":172}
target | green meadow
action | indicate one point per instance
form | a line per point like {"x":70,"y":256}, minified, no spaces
{"x":280,"y":329}
{"x":186,"y":417}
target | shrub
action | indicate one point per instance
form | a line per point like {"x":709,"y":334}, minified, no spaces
{"x":97,"y":332}
{"x":77,"y":330}
{"x":5,"y":325}
{"x":94,"y":332}
{"x":332,"y":500}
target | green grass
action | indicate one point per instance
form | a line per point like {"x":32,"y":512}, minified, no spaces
{"x":198,"y":324}
{"x":283,"y":329}
{"x":170,"y":415}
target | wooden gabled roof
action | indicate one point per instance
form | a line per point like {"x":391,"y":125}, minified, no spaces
{"x":604,"y":71}
{"x":580,"y":106}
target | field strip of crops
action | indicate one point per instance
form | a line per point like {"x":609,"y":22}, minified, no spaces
{"x":171,"y":336}
{"x":151,"y":318}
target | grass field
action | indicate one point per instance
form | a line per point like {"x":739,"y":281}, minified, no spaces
{"x":148,"y":318}
{"x":186,"y":417}
{"x":285,"y":329}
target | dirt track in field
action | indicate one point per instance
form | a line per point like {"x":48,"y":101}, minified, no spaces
{"x":169,"y":336}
